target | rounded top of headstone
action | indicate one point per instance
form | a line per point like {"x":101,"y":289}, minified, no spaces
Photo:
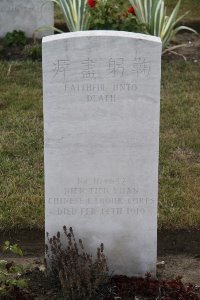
{"x":108,"y":33}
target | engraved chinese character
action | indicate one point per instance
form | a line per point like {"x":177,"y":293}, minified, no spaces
{"x":88,"y":69}
{"x":116,"y":66}
{"x":61,"y":67}
{"x":141,"y":67}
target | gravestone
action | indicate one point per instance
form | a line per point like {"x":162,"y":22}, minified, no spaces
{"x":27,"y":16}
{"x":101,"y":126}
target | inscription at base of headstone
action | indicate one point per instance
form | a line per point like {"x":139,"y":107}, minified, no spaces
{"x":101,"y":127}
{"x":26,"y":16}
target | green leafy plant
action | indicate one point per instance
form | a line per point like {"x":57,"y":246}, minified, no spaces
{"x":113,"y":15}
{"x":33,"y":51}
{"x":75,"y":14}
{"x":13,"y":248}
{"x":152,"y":13}
{"x":10,"y":274}
{"x":79,"y":275}
{"x":15,"y":38}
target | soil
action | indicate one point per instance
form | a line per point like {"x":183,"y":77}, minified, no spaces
{"x":189,"y":51}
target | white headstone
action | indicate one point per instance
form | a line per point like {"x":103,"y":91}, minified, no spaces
{"x":101,"y":124}
{"x":27,"y":16}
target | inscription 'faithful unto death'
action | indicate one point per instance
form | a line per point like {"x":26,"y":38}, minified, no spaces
{"x":94,"y":72}
{"x":101,"y":125}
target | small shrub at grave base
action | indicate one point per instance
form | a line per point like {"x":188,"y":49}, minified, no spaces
{"x":112,"y":15}
{"x":79,"y":275}
{"x":82,"y":278}
{"x":15,"y":38}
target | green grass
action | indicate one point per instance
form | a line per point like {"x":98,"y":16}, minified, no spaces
{"x":21,"y":139}
{"x":21,"y":146}
{"x":187,"y":5}
{"x":179,"y":188}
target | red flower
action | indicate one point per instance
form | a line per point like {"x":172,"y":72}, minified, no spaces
{"x":131,"y":10}
{"x":91,"y":3}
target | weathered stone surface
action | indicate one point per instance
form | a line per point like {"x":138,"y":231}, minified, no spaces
{"x":101,"y":124}
{"x":26,"y":16}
